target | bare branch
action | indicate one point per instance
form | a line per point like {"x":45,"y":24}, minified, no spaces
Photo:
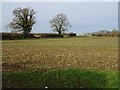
{"x":60,"y":23}
{"x":24,"y":20}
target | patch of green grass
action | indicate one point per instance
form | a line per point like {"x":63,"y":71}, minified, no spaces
{"x":71,"y":78}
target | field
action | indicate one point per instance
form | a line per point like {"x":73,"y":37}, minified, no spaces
{"x":86,"y":62}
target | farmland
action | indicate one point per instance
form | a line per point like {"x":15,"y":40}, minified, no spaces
{"x":44,"y":58}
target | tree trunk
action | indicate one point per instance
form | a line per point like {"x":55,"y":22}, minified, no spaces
{"x":26,"y":33}
{"x":59,"y":32}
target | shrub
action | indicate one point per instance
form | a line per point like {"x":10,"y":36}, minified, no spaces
{"x":47,"y":35}
{"x":12,"y":36}
{"x":72,"y":34}
{"x":6,"y":36}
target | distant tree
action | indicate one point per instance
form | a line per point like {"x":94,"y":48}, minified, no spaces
{"x":114,"y":32}
{"x":60,"y":23}
{"x":23,"y":21}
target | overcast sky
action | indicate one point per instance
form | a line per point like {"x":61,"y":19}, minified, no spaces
{"x":83,"y":16}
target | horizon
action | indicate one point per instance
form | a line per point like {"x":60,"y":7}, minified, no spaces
{"x":84,"y":17}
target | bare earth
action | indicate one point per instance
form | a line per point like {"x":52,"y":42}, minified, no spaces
{"x":96,"y":53}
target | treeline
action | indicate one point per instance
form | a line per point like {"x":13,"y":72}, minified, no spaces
{"x":13,"y":36}
{"x":113,"y":33}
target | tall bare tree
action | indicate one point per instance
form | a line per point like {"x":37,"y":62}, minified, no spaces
{"x":23,"y":21}
{"x":60,"y":23}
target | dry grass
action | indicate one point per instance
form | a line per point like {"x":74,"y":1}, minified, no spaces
{"x":63,"y":53}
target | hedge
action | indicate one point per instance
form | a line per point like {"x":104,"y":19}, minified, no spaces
{"x":13,"y":36}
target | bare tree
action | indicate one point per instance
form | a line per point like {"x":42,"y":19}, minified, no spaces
{"x":23,"y":21}
{"x":60,"y":23}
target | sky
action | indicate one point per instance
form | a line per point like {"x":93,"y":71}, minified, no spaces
{"x":83,"y":16}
